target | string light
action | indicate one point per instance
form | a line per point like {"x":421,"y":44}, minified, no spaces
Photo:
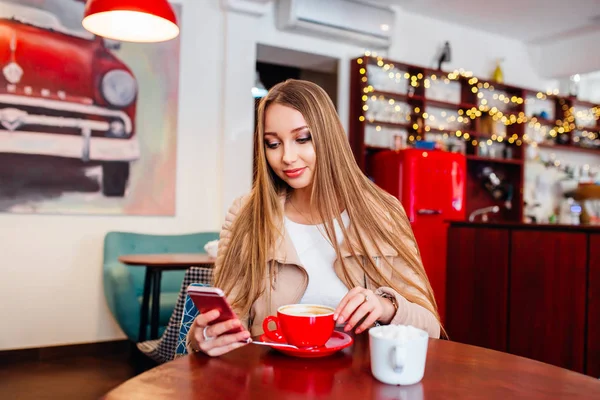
{"x":480,"y":89}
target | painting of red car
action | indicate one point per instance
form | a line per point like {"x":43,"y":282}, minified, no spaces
{"x":64,"y":94}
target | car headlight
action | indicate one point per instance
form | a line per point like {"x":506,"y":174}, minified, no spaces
{"x":119,"y":88}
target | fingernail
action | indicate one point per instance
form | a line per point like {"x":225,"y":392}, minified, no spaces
{"x":335,"y":316}
{"x":341,"y":320}
{"x":347,"y":328}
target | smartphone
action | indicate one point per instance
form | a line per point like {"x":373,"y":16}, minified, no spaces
{"x":210,"y":298}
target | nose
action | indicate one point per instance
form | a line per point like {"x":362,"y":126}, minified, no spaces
{"x":289,"y":154}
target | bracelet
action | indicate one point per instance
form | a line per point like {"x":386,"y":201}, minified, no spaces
{"x":391,"y":298}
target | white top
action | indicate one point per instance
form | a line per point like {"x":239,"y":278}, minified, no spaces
{"x":317,"y":255}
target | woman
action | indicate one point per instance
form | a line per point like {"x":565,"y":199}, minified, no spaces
{"x":313,"y":230}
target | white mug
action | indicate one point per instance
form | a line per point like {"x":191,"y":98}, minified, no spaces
{"x":398,"y":354}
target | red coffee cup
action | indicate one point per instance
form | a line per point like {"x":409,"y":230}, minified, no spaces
{"x":301,"y":325}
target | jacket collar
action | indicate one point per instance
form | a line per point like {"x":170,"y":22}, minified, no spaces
{"x":285,"y":252}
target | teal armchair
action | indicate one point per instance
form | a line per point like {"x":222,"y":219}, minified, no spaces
{"x":124,"y":285}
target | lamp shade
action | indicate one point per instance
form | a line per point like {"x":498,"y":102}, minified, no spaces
{"x":131,"y":20}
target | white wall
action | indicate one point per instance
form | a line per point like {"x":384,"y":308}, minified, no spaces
{"x":51,"y":266}
{"x":51,"y":274}
{"x":576,"y":54}
{"x":417,"y":39}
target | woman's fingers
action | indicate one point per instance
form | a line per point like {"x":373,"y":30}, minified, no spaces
{"x":368,"y":322}
{"x":358,"y":298}
{"x":203,"y":320}
{"x":222,"y":327}
{"x":225,"y":349}
{"x":351,"y":293}
{"x":364,"y":309}
{"x":218,"y":345}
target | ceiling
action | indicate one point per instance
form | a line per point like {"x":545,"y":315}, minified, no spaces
{"x":532,"y":21}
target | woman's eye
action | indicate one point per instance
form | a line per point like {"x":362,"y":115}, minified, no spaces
{"x":272,"y":145}
{"x":303,"y":140}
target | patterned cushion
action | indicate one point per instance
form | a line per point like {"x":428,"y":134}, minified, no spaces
{"x":172,"y":343}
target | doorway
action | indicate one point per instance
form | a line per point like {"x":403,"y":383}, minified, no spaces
{"x":275,"y":65}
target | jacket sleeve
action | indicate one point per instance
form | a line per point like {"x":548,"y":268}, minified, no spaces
{"x":409,"y":313}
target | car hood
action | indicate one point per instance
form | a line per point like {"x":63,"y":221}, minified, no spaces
{"x":49,"y":61}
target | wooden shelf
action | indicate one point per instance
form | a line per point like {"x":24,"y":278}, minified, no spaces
{"x":582,"y":103}
{"x":543,"y":121}
{"x":448,"y":131}
{"x":495,"y":160}
{"x":390,"y":124}
{"x":445,"y":104}
{"x":567,"y":147}
{"x":477,"y":197}
{"x":376,"y":148}
{"x":396,"y":96}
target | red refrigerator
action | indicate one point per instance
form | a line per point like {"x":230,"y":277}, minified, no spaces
{"x":431,"y":185}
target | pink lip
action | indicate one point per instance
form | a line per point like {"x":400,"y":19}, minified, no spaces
{"x":294,"y":173}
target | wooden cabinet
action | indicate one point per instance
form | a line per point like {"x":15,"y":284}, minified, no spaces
{"x":547,"y":297}
{"x":394,"y":105}
{"x":529,"y":290}
{"x":477,"y":286}
{"x":593,"y":309}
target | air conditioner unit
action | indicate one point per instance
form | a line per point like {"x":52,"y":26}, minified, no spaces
{"x":352,"y":21}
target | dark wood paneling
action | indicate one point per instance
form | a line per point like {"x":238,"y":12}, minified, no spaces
{"x":477,"y":286}
{"x":73,"y":350}
{"x":547,"y":297}
{"x":593,"y":311}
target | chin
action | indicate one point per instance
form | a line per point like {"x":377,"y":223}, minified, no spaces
{"x":299,"y":183}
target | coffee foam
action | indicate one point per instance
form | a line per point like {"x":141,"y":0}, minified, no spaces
{"x":400,"y":333}
{"x":306,"y":310}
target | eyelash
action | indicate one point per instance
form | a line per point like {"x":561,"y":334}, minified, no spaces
{"x":299,"y":140}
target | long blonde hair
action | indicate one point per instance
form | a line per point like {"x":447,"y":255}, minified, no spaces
{"x":338,"y":184}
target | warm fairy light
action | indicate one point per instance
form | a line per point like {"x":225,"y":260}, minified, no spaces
{"x":378,"y":128}
{"x":359,"y":61}
{"x":361,"y":118}
{"x":362,"y":71}
{"x":365,"y":97}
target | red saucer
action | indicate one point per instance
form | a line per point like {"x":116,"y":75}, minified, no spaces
{"x":337,"y":342}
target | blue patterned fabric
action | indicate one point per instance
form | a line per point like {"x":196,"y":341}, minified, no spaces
{"x":172,"y":343}
{"x":190,"y":312}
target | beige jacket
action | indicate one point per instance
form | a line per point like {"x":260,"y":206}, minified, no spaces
{"x":292,"y":280}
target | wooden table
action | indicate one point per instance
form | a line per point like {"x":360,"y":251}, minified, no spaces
{"x":453,"y":371}
{"x":155,"y":264}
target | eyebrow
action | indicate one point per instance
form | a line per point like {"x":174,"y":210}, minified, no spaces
{"x":300,"y":128}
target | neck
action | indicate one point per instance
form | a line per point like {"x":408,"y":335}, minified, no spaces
{"x":301,"y":200}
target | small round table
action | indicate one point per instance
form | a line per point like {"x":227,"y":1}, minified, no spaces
{"x":155,"y":264}
{"x":453,"y":371}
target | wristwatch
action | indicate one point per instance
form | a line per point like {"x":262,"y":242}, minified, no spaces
{"x":387,"y":296}
{"x":391,"y":298}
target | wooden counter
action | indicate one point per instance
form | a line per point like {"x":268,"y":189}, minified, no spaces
{"x":530,"y":290}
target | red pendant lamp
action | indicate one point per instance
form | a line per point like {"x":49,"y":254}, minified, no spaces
{"x":131,"y":20}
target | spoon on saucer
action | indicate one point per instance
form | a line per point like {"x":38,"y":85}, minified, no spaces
{"x":273,"y":344}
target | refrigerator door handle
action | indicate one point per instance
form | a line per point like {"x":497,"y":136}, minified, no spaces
{"x":426,"y":211}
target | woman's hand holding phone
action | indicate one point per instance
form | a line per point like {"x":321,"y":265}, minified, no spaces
{"x":213,"y":339}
